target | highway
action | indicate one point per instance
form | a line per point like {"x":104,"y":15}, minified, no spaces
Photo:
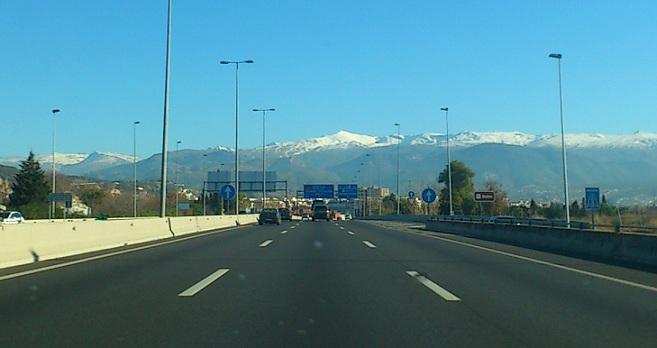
{"x":327,"y":284}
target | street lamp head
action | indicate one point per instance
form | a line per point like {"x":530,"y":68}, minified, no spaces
{"x":54,"y":111}
{"x":137,"y":122}
{"x":224,"y":62}
{"x":397,"y":124}
{"x":555,"y":55}
{"x":179,"y":142}
{"x":248,"y":61}
{"x":272,"y":109}
{"x":444,"y":109}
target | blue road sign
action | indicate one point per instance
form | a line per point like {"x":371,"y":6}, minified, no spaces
{"x":347,"y":191}
{"x":411,"y":194}
{"x":592,"y":197}
{"x":428,"y":195}
{"x":318,"y":191}
{"x":227,"y":192}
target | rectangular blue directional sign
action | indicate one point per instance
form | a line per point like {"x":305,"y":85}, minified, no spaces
{"x":592,"y":197}
{"x":348,"y":191}
{"x":317,"y":191}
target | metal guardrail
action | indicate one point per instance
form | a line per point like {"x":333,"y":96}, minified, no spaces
{"x":578,"y":225}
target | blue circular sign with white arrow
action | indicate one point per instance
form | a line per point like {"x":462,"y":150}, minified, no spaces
{"x":411,"y":194}
{"x":428,"y":195}
{"x":227,"y":192}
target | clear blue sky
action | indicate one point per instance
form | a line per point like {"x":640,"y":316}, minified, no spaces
{"x":325,"y":65}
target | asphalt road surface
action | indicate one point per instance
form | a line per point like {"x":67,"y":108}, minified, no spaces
{"x":326,"y":284}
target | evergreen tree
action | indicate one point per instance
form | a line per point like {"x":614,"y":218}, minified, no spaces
{"x":533,"y":208}
{"x":462,"y":189}
{"x":30,"y":186}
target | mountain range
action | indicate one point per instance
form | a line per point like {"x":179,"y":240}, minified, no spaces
{"x":528,"y":166}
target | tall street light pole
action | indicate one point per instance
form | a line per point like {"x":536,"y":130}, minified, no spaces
{"x":165,"y":119}
{"x":175,"y":183}
{"x":558,"y":56}
{"x":237,"y":128}
{"x":134,"y":166}
{"x":449,"y":163}
{"x":398,"y":143}
{"x":264,"y":179}
{"x":54,"y":133}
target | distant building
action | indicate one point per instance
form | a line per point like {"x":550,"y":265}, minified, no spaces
{"x":377,"y":192}
{"x":78,"y":207}
{"x":521,"y":204}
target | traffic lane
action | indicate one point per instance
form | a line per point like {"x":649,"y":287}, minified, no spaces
{"x":633,"y":274}
{"x":318,"y":286}
{"x":86,"y":298}
{"x":543,"y":305}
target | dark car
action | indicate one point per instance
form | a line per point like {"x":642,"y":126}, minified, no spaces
{"x":285,"y":214}
{"x":321,"y":212}
{"x":269,"y":215}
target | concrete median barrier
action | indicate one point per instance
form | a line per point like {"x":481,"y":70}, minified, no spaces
{"x":632,"y":248}
{"x":43,"y":240}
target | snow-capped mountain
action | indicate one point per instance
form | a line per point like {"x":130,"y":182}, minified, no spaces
{"x":526,"y":165}
{"x":76,"y":163}
{"x":46,"y":159}
{"x":344,"y":139}
{"x":637,"y":140}
{"x":96,"y":161}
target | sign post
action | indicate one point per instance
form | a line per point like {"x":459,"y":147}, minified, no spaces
{"x":227,"y":192}
{"x":428,"y":197}
{"x":592,"y":200}
{"x":65,"y":197}
{"x":484,"y":196}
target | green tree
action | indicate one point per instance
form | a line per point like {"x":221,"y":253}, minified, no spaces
{"x":554,"y":211}
{"x":92,"y":197}
{"x":462,"y":189}
{"x":576,"y":210}
{"x":533,"y":208}
{"x":389,"y":205}
{"x":30,"y":189}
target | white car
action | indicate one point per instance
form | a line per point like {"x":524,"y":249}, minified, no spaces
{"x":11,"y":217}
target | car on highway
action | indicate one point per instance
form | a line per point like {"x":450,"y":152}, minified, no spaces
{"x":348,"y":216}
{"x":321,"y":212}
{"x":269,"y":215}
{"x":337,"y":216}
{"x":305,"y":213}
{"x":11,"y":217}
{"x":285,"y":214}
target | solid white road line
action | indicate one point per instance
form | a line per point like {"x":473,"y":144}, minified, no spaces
{"x":265,"y":243}
{"x":545,"y":263}
{"x":284,"y":232}
{"x":350,"y":233}
{"x":446,"y":295}
{"x":203,"y":283}
{"x":369,"y":244}
{"x":98,"y":257}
